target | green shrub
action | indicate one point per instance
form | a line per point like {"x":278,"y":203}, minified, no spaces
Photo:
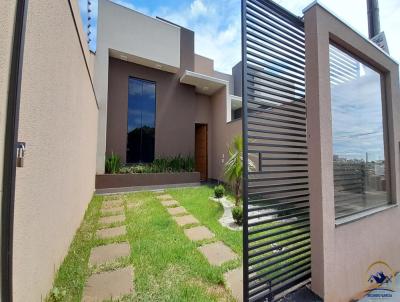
{"x":162,"y":165}
{"x":113,"y":164}
{"x":219,"y":191}
{"x":237,"y":214}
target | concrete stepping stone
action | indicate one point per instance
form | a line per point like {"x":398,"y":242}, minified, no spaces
{"x":112,"y":204}
{"x":133,"y":205}
{"x":109,"y":252}
{"x":198,"y":233}
{"x":164,"y":197}
{"x":111,"y":232}
{"x":112,"y":210}
{"x":109,"y":285}
{"x":177,"y":211}
{"x":217,"y":253}
{"x":185,"y":220}
{"x":112,"y":219}
{"x":170,"y":203}
{"x":234,"y":281}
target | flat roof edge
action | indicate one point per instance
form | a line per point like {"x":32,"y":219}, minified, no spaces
{"x":204,"y":77}
{"x":324,"y":7}
{"x":143,"y":14}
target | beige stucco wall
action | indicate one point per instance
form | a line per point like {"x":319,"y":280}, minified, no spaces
{"x":7,"y":16}
{"x":222,"y":134}
{"x":341,"y":254}
{"x":145,"y":40}
{"x":203,"y":65}
{"x":58,"y":119}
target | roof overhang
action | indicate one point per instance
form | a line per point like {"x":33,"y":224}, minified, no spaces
{"x":204,"y":84}
{"x":142,"y":61}
{"x":236,"y":102}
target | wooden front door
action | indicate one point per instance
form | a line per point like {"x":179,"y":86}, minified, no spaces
{"x":201,"y":157}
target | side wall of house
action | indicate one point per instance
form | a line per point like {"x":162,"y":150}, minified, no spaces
{"x":58,"y":122}
{"x":7,"y":17}
{"x":342,"y":252}
{"x":223,"y":133}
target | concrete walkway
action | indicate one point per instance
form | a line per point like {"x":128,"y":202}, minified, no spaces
{"x":110,"y":284}
{"x":216,"y":252}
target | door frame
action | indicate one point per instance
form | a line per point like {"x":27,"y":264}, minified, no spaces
{"x":206,"y":127}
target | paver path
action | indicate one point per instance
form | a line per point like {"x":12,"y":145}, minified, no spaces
{"x":117,"y":210}
{"x":112,"y":219}
{"x":110,"y":252}
{"x":177,"y":211}
{"x":164,"y":197}
{"x":198,"y":233}
{"x":216,"y":253}
{"x":185,"y":220}
{"x":111,"y":232}
{"x":234,"y":281}
{"x":112,"y":204}
{"x":110,"y":284}
{"x":169,"y":203}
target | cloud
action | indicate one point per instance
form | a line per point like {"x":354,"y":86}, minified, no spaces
{"x":197,"y":8}
{"x":217,"y":27}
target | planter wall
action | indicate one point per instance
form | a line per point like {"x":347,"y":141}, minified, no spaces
{"x":110,"y":181}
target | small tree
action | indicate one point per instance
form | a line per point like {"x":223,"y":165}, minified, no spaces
{"x":234,"y":166}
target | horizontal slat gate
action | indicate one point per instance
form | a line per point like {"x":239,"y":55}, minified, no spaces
{"x":276,"y":200}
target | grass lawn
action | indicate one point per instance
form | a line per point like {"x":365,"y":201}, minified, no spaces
{"x":167,"y":265}
{"x":196,"y":201}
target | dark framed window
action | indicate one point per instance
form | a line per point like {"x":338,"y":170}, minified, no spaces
{"x":236,"y":114}
{"x":141,"y":121}
{"x":361,"y":170}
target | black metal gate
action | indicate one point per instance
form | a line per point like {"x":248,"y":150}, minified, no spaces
{"x":277,"y":250}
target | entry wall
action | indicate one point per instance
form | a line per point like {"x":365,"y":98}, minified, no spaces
{"x":342,"y":253}
{"x":223,"y":133}
{"x":176,"y":109}
{"x":58,"y":122}
{"x":154,"y":43}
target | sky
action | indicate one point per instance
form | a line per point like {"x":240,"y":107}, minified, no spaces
{"x":217,"y":23}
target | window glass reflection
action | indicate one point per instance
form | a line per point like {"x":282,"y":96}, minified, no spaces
{"x":141,"y":121}
{"x":358,"y":135}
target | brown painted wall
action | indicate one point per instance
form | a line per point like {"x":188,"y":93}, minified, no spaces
{"x":175,"y":110}
{"x":342,"y":253}
{"x":178,"y":107}
{"x":203,"y":65}
{"x":107,"y":181}
{"x":222,"y":134}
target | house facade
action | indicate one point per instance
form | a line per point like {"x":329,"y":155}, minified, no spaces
{"x":157,"y":98}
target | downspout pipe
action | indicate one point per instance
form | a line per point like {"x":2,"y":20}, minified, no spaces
{"x":10,"y":151}
{"x":374,"y":27}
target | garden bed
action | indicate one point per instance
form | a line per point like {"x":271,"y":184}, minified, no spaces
{"x":112,"y":181}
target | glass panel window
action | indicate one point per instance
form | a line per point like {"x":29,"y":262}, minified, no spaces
{"x":141,"y":121}
{"x":359,"y":162}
